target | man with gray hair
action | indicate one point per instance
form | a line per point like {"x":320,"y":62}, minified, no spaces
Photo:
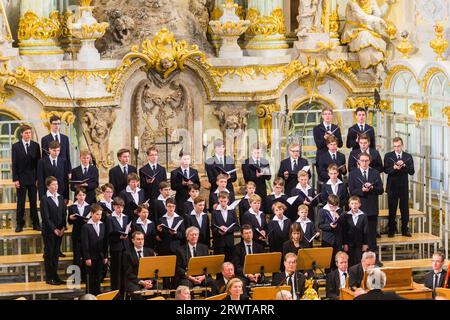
{"x":184,"y":253}
{"x":283,"y":295}
{"x":376,"y":280}
{"x":356,"y":273}
{"x":227,"y":274}
{"x":182,"y":293}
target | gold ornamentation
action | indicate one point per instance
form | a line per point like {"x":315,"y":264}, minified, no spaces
{"x":428,"y":75}
{"x":229,"y":28}
{"x":264,"y":113}
{"x":64,"y":20}
{"x":266,"y":25}
{"x":393,"y":72}
{"x":85,"y":3}
{"x":391,"y":30}
{"x":39,"y":28}
{"x":439,"y":44}
{"x":67,"y":116}
{"x":72,"y":75}
{"x":446,"y":112}
{"x":334,"y":23}
{"x":404,"y":47}
{"x":359,"y":102}
{"x":310,"y":293}
{"x":8,"y":78}
{"x":421,"y":110}
{"x":386,"y":105}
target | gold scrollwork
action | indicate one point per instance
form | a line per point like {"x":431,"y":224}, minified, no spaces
{"x":421,"y":110}
{"x":393,"y":72}
{"x":428,"y":75}
{"x":446,"y":112}
{"x":265,"y":25}
{"x":71,"y":75}
{"x":8,"y":78}
{"x":39,"y":28}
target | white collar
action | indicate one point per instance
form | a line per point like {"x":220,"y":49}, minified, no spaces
{"x":328,"y":208}
{"x":298,"y":186}
{"x":137,"y":249}
{"x":114,"y":214}
{"x":193,"y":213}
{"x":128,"y":189}
{"x":190,"y":200}
{"x":248,"y":244}
{"x":56,"y":134}
{"x":338,"y":182}
{"x":342,"y":272}
{"x":182,"y":169}
{"x":366,"y":170}
{"x":93,"y":223}
{"x":327,"y":124}
{"x":51,"y":159}
{"x":217,"y":191}
{"x":275,"y":218}
{"x":246,"y":196}
{"x":50,"y":195}
{"x":153,"y":164}
{"x":87,"y":167}
{"x":253,"y":212}
{"x":192,"y":246}
{"x":222,"y":209}
{"x":139,"y":221}
{"x":254,"y":160}
{"x":107,"y":202}
{"x":160,"y":197}
{"x":331,"y":153}
{"x":281,"y":194}
{"x":398,"y":154}
{"x":292,"y":159}
{"x":175,"y":215}
{"x":121,"y":166}
{"x":361,"y":124}
{"x":356,"y":214}
{"x":25,"y":142}
{"x":84,"y":204}
{"x":218,"y":157}
{"x":300,"y":221}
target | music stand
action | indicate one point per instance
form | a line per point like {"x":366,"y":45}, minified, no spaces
{"x":261,"y":263}
{"x":314,"y":258}
{"x":205,"y":265}
{"x":267,"y":293}
{"x":155,"y":267}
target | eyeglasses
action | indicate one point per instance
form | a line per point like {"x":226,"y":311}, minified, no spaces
{"x":56,"y":123}
{"x":364,"y":160}
{"x":295,"y":150}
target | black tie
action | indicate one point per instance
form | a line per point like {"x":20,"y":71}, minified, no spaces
{"x":139,"y":254}
{"x":257,"y":163}
{"x":436,"y":281}
{"x":291,"y":284}
{"x":295,"y":165}
{"x":185,"y":173}
{"x":194,"y":252}
{"x":334,"y":157}
{"x":154,"y":168}
{"x":85,"y":171}
{"x":249,"y":249}
{"x":345,"y":278}
{"x":54,"y":163}
{"x":27,"y":145}
{"x":125,"y":171}
{"x":56,"y":138}
{"x":362,"y":128}
{"x":365,"y":175}
{"x":399,"y":157}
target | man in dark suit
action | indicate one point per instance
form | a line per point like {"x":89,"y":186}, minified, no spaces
{"x":398,"y":165}
{"x":131,"y":266}
{"x":257,"y":169}
{"x":152,"y":174}
{"x":227,"y":273}
{"x":366,"y":183}
{"x":333,"y":156}
{"x":118,"y":175}
{"x":326,"y":129}
{"x":184,"y":253}
{"x":291,"y":277}
{"x":55,"y":166}
{"x":25,"y":155}
{"x":180,"y":179}
{"x":220,"y":164}
{"x":88,"y":173}
{"x":364,"y":146}
{"x":94,"y":242}
{"x":356,"y":273}
{"x":54,"y":214}
{"x":360,"y":127}
{"x":243,"y":248}
{"x":436,"y":277}
{"x":376,"y":281}
{"x":338,"y":278}
{"x":56,"y":135}
{"x":290,"y":167}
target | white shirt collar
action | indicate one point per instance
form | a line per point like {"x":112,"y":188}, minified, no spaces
{"x":128,"y":189}
{"x":331,"y":183}
{"x":356,"y":214}
{"x":254,"y":160}
{"x":114,"y":214}
{"x":298,"y":186}
{"x":153,"y":164}
{"x":139,"y":221}
{"x":219,"y":207}
{"x":84,"y":204}
{"x":175,"y":215}
{"x":292,"y":159}
{"x":190,"y":200}
{"x":398,"y":154}
{"x":226,"y":190}
{"x":275,"y":218}
{"x":301,"y":221}
{"x":193,"y":213}
{"x":281,"y":194}
{"x":25,"y":142}
{"x":50,"y":195}
{"x":331,"y":153}
{"x":253,"y":212}
{"x":93,"y":223}
{"x":218,"y":157}
{"x":107,"y":202}
{"x":121,"y":166}
{"x":160,"y":197}
{"x":366,"y":170}
{"x":327,"y":207}
{"x":327,"y":124}
{"x":51,"y":160}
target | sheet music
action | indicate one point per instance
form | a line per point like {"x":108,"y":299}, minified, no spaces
{"x":234,"y":204}
{"x":291,"y":200}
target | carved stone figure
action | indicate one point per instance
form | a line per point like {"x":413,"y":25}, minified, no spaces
{"x":309,"y":17}
{"x":199,"y":9}
{"x":97,"y":123}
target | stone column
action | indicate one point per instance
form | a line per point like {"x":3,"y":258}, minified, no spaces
{"x":39,"y":30}
{"x":266,"y":34}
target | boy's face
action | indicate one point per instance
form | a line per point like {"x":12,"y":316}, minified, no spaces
{"x":133,"y":184}
{"x":303,"y":214}
{"x":398,"y":146}
{"x":256,"y":153}
{"x":107,"y":194}
{"x":223,"y":202}
{"x":333,"y":207}
{"x":278,"y":189}
{"x":81,"y":196}
{"x":222,"y":183}
{"x":153,"y":156}
{"x":97,"y":215}
{"x":170,"y":208}
{"x":278,"y":212}
{"x":251,"y":190}
{"x":165,"y":192}
{"x":124,"y":158}
{"x":363,"y":144}
{"x":333,"y":174}
{"x":294,"y":152}
{"x":256,"y":205}
{"x":53,"y":187}
{"x":54,"y":153}
{"x":185,"y":161}
{"x":85,"y":160}
{"x":303,"y":180}
{"x":199,"y":207}
{"x":361,"y":117}
{"x":143,"y":214}
{"x":194,"y":193}
{"x":55,"y":126}
{"x":332,"y":146}
{"x":220,"y":150}
{"x":354,"y":205}
{"x":117,"y":208}
{"x":327,"y":116}
{"x":26,"y":135}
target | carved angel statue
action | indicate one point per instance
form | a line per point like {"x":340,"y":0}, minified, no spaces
{"x":309,"y":17}
{"x":364,"y":31}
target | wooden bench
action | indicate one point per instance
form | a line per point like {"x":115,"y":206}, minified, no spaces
{"x":415,"y":264}
{"x":29,"y":260}
{"x":417,"y":238}
{"x":413,"y":216}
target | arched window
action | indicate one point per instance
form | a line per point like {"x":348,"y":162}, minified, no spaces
{"x":8,"y":136}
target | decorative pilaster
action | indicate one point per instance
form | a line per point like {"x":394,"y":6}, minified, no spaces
{"x":267,"y":29}
{"x":421,"y":110}
{"x":264,"y":113}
